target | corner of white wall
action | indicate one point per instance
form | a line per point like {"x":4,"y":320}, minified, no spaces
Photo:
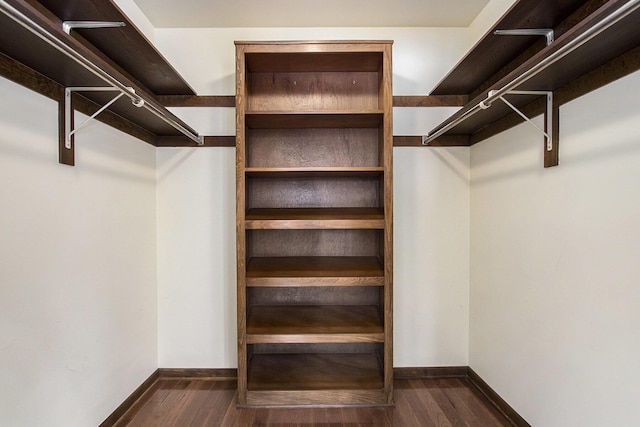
{"x":140,"y":20}
{"x":486,"y":19}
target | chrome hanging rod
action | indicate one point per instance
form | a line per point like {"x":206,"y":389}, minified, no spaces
{"x":58,"y":44}
{"x":593,"y":31}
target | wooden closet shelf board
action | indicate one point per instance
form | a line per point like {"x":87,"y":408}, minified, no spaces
{"x":314,"y":271}
{"x":314,"y":324}
{"x":126,"y":46}
{"x":613,"y":42}
{"x":493,"y":52}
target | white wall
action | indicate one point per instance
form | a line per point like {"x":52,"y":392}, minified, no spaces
{"x":196,"y":257}
{"x":196,"y":205}
{"x":78,"y":328}
{"x":555,"y":318}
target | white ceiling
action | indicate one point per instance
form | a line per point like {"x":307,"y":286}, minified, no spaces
{"x":311,"y":13}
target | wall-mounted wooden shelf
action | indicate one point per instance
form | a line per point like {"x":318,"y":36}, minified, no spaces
{"x":122,"y":53}
{"x":587,"y":51}
{"x":492,"y":53}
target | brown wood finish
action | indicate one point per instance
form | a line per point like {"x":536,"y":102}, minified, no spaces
{"x":314,"y":178}
{"x":420,"y":402}
{"x":53,"y":67}
{"x":197,"y":101}
{"x":315,"y":271}
{"x":505,"y":409}
{"x":230,"y":100}
{"x":314,"y":324}
{"x":126,"y":46}
{"x":138,"y":393}
{"x":621,"y":66}
{"x":493,"y":52}
{"x":339,"y":218}
{"x":183,"y":141}
{"x":430,"y":101}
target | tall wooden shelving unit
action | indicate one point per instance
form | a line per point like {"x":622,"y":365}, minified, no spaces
{"x":314,"y":222}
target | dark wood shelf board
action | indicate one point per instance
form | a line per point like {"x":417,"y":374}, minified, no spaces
{"x":613,"y":43}
{"x":301,"y":62}
{"x":197,"y":101}
{"x":126,"y":46}
{"x":183,"y":141}
{"x":430,"y":101}
{"x":313,"y":119}
{"x":24,"y":49}
{"x":314,"y":271}
{"x":493,"y":52}
{"x":314,"y":324}
{"x":315,"y":218}
{"x":314,"y":172}
{"x":301,"y":372}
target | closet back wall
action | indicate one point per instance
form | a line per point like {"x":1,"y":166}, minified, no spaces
{"x":196,"y":205}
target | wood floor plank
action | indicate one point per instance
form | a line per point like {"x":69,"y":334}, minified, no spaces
{"x":212,"y":402}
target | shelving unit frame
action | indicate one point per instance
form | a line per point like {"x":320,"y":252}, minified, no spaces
{"x":314,"y":223}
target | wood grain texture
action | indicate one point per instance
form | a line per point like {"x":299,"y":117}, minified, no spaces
{"x":493,"y":52}
{"x":615,"y":41}
{"x":314,"y":271}
{"x":314,"y":243}
{"x":312,"y":91}
{"x":28,"y":49}
{"x":314,"y":324}
{"x":313,"y":192}
{"x":328,"y":147}
{"x":129,"y":402}
{"x":322,"y":218}
{"x":418,"y":403}
{"x":126,"y":46}
{"x":430,"y":101}
{"x":317,"y":140}
{"x":314,"y":119}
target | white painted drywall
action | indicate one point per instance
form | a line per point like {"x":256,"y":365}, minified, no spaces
{"x":555,"y":297}
{"x":196,"y":257}
{"x":78,"y":327}
{"x":137,"y":17}
{"x":196,"y":205}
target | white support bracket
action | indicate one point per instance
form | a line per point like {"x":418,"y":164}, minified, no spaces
{"x":548,"y":115}
{"x":68,"y":109}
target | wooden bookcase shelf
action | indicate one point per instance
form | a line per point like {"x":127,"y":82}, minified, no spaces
{"x":315,"y":218}
{"x":314,"y":324}
{"x":314,"y":222}
{"x":315,"y":271}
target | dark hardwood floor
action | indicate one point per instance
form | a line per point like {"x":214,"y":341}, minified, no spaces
{"x":419,"y":402}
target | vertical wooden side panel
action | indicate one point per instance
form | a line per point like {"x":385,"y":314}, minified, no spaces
{"x":387,"y":107}
{"x":241,"y":102}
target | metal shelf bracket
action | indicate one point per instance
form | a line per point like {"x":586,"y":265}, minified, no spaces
{"x":546,"y":32}
{"x":67,"y":26}
{"x":68,"y":109}
{"x":548,"y":110}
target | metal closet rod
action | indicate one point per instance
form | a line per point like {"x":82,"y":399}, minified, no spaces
{"x":52,"y":40}
{"x":563,"y":51}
